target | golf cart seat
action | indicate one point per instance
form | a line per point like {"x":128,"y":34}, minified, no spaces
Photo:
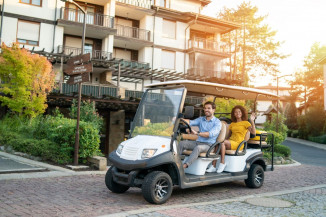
{"x":199,"y":166}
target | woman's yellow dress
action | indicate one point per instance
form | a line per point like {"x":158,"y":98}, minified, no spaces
{"x":239,"y":130}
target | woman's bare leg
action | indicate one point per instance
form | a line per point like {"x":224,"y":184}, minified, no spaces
{"x":226,"y":145}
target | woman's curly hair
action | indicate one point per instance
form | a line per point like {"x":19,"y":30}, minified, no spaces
{"x":243,"y":111}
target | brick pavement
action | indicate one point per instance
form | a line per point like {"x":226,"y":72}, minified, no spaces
{"x":88,"y":196}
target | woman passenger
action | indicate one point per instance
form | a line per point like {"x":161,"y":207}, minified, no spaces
{"x":238,"y":130}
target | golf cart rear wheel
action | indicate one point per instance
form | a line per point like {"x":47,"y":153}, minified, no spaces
{"x":157,"y":187}
{"x":255,"y":176}
{"x":112,"y":185}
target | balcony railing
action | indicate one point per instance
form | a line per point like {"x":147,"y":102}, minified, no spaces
{"x":91,"y":18}
{"x":88,"y":90}
{"x":206,"y":44}
{"x":133,"y":32}
{"x":95,"y":54}
{"x":98,"y":91}
{"x":133,"y":64}
{"x":207,"y":73}
{"x":138,"y":3}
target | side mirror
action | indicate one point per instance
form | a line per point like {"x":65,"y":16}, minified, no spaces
{"x":189,"y":112}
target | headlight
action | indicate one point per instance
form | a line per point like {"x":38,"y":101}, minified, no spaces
{"x":148,"y":153}
{"x":119,"y":149}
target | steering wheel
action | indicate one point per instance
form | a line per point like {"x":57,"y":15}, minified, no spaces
{"x":187,"y":125}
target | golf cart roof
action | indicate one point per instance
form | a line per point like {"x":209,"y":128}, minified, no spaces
{"x":199,"y":88}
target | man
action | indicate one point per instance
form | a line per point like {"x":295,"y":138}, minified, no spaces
{"x":209,"y":129}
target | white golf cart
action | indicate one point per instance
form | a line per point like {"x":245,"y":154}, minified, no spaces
{"x":149,"y":158}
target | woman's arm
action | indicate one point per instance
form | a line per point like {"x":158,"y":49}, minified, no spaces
{"x":252,"y":128}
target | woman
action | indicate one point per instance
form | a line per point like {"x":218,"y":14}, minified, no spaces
{"x":238,"y":129}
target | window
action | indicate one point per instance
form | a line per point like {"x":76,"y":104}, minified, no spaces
{"x":163,"y":3}
{"x":32,"y":2}
{"x":168,"y":59}
{"x":28,"y":32}
{"x":168,"y":30}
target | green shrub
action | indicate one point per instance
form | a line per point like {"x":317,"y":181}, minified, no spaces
{"x":318,"y":139}
{"x":290,"y":113}
{"x":51,"y":138}
{"x":282,"y":128}
{"x":283,"y":150}
{"x":289,"y":133}
{"x":45,"y":149}
{"x":278,"y":137}
{"x":302,"y":129}
{"x":295,"y":133}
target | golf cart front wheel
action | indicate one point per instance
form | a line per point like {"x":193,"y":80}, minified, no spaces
{"x":255,"y":176}
{"x":157,"y":187}
{"x":112,"y":185}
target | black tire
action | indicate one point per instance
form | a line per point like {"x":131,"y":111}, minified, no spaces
{"x":112,"y":185}
{"x":255,"y":176}
{"x":157,"y":187}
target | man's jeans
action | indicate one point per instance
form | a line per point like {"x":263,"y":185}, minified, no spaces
{"x":196,"y":147}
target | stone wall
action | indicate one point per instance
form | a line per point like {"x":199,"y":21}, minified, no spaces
{"x":117,"y":127}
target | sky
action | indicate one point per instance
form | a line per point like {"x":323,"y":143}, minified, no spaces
{"x":299,"y":23}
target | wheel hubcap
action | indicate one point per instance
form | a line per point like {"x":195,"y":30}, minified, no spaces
{"x":258,"y":177}
{"x":161,"y":188}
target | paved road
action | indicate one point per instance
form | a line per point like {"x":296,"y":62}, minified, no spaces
{"x":307,"y":154}
{"x":87,"y":195}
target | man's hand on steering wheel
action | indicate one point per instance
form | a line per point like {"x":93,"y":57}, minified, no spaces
{"x":188,"y":130}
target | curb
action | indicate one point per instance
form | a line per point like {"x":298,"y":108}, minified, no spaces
{"x":307,"y":143}
{"x":55,"y":171}
{"x":237,"y":199}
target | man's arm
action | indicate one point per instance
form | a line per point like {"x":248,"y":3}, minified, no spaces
{"x":213,"y":132}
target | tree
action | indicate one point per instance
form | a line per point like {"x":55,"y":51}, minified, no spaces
{"x":290,"y":113}
{"x":255,"y":49}
{"x":26,"y":80}
{"x":309,"y":80}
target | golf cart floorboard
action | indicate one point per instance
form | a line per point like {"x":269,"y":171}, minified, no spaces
{"x":211,"y":176}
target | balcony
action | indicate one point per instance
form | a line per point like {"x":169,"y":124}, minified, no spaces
{"x":133,"y":32}
{"x":95,"y":54}
{"x":206,"y":44}
{"x":221,"y":77}
{"x":98,"y":91}
{"x":139,"y":3}
{"x":133,"y":64}
{"x":98,"y":25}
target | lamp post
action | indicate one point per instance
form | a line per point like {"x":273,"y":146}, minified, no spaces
{"x":80,"y":84}
{"x":277,"y":121}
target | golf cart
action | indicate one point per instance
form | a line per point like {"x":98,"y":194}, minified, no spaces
{"x":149,"y":158}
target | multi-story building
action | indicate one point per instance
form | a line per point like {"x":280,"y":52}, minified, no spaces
{"x":132,"y":42}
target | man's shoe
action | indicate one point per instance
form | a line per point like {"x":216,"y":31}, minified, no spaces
{"x":221,"y":167}
{"x":211,"y":169}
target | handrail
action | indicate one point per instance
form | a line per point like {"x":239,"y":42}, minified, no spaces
{"x":91,"y":18}
{"x":139,"y":3}
{"x":207,"y":44}
{"x":95,"y":54}
{"x":133,"y":32}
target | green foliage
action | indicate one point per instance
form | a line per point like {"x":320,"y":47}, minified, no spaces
{"x":312,"y":123}
{"x":256,"y":42}
{"x":302,"y":127}
{"x":282,"y":128}
{"x":52,"y":138}
{"x":290,"y":114}
{"x":295,"y":133}
{"x":283,"y":150}
{"x":26,"y":80}
{"x":318,"y":139}
{"x":315,"y":119}
{"x":156,"y":129}
{"x":88,"y":113}
{"x":226,"y":105}
{"x":278,"y":137}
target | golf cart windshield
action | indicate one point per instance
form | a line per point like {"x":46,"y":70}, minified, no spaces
{"x":157,"y":112}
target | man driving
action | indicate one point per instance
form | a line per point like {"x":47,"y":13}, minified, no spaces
{"x":209,"y":129}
